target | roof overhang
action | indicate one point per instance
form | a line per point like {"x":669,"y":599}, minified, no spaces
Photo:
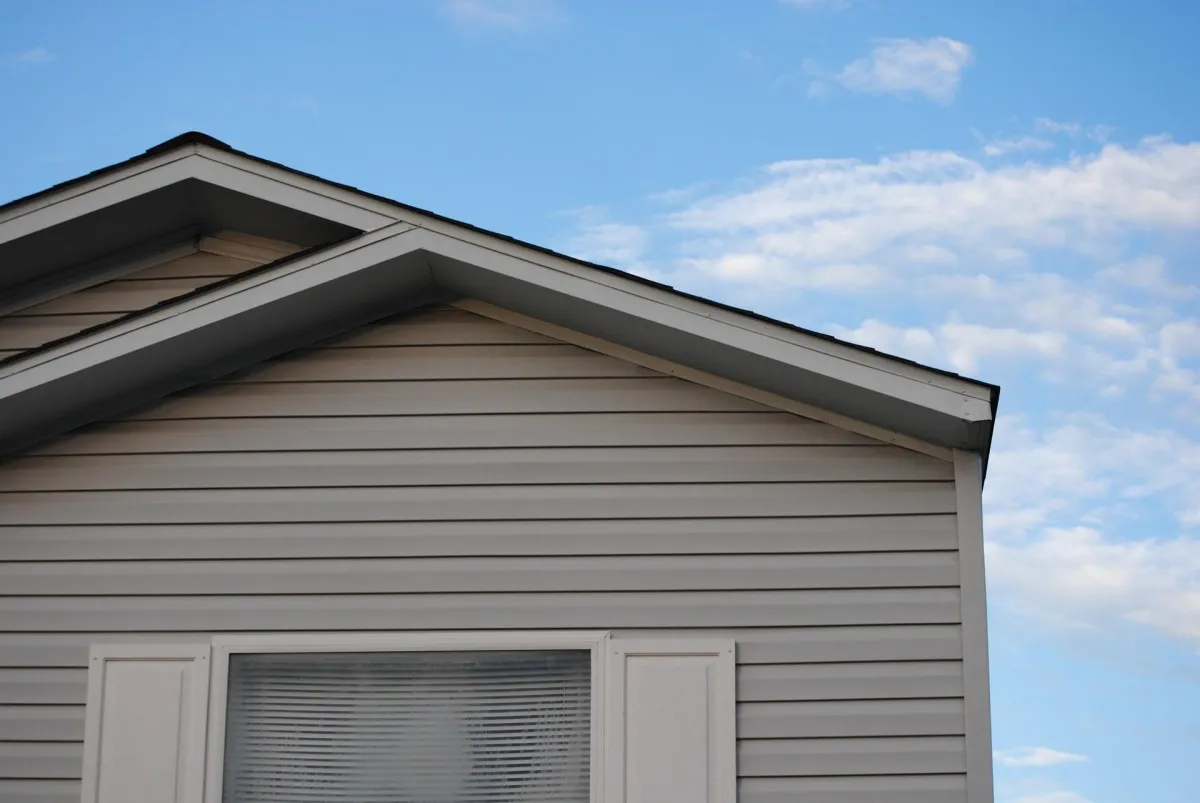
{"x":389,"y":258}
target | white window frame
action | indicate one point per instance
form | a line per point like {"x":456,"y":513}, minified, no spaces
{"x":595,"y":642}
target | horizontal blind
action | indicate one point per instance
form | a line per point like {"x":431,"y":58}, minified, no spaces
{"x":409,"y":727}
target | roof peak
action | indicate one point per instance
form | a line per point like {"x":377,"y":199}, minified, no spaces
{"x":189,"y":138}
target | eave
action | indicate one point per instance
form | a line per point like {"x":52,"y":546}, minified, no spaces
{"x":390,"y":257}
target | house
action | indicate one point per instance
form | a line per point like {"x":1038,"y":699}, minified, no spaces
{"x":310,"y":495}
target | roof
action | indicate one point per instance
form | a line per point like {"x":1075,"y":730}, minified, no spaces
{"x":195,"y":179}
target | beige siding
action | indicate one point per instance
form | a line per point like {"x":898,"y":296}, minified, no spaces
{"x":219,"y":257}
{"x":445,"y":471}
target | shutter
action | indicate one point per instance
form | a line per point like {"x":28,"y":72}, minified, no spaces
{"x":144,"y":733}
{"x":429,"y":727}
{"x":670,"y":726}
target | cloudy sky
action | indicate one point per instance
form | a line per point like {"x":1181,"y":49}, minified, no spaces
{"x":1010,"y":190}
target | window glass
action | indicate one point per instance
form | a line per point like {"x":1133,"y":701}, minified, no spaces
{"x":409,"y":727}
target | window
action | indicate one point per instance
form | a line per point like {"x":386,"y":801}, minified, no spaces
{"x":435,"y":727}
{"x":412,"y":718}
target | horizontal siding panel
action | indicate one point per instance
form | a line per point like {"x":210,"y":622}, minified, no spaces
{"x":114,"y":297}
{"x":466,"y":538}
{"x":41,"y":791}
{"x":41,"y":723}
{"x":755,"y":646}
{"x":200,"y":265}
{"x":479,"y":611}
{"x":471,"y":467}
{"x":863,"y":789}
{"x":787,"y":645}
{"x":452,"y":397}
{"x":44,"y":760}
{"x":849,"y":718}
{"x":438,"y":327}
{"x":850,"y":681}
{"x":469,"y":503}
{"x":825,"y":757}
{"x":453,"y":432}
{"x":448,"y":575}
{"x":18,"y":334}
{"x":43,"y":686}
{"x":419,"y":363}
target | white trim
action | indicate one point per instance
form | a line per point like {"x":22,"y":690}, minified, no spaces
{"x":196,"y":698}
{"x":253,"y":178}
{"x":919,"y":386}
{"x":968,"y":487}
{"x":713,"y":381}
{"x":207,"y":164}
{"x":383,"y":212}
{"x":594,"y":642}
{"x":723,"y":722}
{"x":97,"y":193}
{"x":820,"y":347}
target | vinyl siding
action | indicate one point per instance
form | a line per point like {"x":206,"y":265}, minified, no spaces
{"x":218,"y":257}
{"x":445,"y":471}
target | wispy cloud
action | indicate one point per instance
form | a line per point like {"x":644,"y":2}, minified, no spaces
{"x":814,"y":212}
{"x":1076,"y":548}
{"x":599,"y":239}
{"x":1053,"y":797}
{"x":35,"y":56}
{"x":512,"y":16}
{"x":300,"y":103}
{"x":962,"y":345}
{"x":1003,"y":146}
{"x":1036,"y":757}
{"x":825,"y":5}
{"x":1097,"y":133}
{"x":931,"y":67}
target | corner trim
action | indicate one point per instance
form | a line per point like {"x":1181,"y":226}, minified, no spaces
{"x":968,"y":490}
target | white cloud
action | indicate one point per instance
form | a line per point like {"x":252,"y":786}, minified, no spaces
{"x":1147,"y":273}
{"x":1000,"y":147}
{"x":960,"y":345}
{"x":1087,"y":465}
{"x":932,"y":67}
{"x":515,"y":16}
{"x":813,"y":209}
{"x":1056,"y":126}
{"x":1036,"y":757}
{"x":1097,"y":133}
{"x":1053,"y":797}
{"x":606,"y":242}
{"x":38,"y":55}
{"x":1072,"y":535}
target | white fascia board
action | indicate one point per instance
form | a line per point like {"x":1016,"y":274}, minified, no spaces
{"x":699,"y":309}
{"x":91,"y":196}
{"x":282,"y":186}
{"x":209,"y":165}
{"x":293,"y":277}
{"x":946,"y":395}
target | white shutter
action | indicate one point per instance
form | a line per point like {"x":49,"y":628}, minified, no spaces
{"x":509,"y":726}
{"x":670,"y":725}
{"x":145,"y":727}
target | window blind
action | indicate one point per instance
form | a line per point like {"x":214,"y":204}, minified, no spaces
{"x":409,"y":727}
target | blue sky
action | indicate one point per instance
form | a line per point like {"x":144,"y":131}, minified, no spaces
{"x":1007,"y":189}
